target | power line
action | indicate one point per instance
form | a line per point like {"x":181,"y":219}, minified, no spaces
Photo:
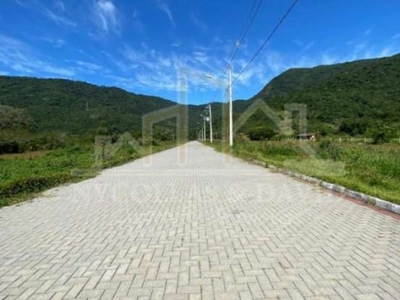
{"x":249,"y":22}
{"x":268,"y":39}
{"x":246,"y":30}
{"x":248,"y":18}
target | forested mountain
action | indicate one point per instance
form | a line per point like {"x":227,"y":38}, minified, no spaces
{"x":356,"y":98}
{"x":76,"y":107}
{"x":352,"y":98}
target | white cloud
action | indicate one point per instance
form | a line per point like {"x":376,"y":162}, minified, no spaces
{"x":133,"y":56}
{"x":144,"y":68}
{"x":88,"y":66}
{"x":201,"y":57}
{"x":396,"y":36}
{"x":308,"y":47}
{"x":304,"y":48}
{"x":106,"y":16}
{"x":362,"y":48}
{"x":56,"y":18}
{"x":122,"y":65}
{"x":165,"y":8}
{"x":272,"y":62}
{"x":175,"y":44}
{"x":21,"y":3}
{"x":147,"y":68}
{"x":166,"y":82}
{"x":59,"y":5}
{"x":19,"y":56}
{"x":387,"y":51}
{"x":137,"y":24}
{"x":20,"y":68}
{"x":327,"y":59}
{"x":47,"y":68}
{"x":200,"y":24}
{"x":217,"y":40}
{"x":299,"y":43}
{"x":58,"y":43}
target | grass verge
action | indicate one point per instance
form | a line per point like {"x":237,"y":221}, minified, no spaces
{"x":370,"y":169}
{"x":24,"y":176}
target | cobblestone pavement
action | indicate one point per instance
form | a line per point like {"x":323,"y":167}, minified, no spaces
{"x":204,"y":229}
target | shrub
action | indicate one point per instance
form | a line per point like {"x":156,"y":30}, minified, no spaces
{"x":353,"y":127}
{"x":328,"y":150}
{"x":380,"y":138}
{"x":261,"y":133}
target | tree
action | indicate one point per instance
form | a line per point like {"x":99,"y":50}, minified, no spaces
{"x":260,"y":133}
{"x":353,"y":127}
{"x":14,"y":118}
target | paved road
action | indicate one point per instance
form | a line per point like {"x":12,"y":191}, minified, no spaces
{"x":200,"y":230}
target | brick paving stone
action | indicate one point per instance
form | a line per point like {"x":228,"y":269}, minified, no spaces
{"x":209,"y":228}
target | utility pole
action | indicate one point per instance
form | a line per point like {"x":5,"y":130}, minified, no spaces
{"x":211,"y":129}
{"x":199,"y":132}
{"x":230,"y":105}
{"x":230,"y":108}
{"x":204,"y":129}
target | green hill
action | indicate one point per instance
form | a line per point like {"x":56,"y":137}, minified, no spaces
{"x":76,"y":107}
{"x":355,"y":98}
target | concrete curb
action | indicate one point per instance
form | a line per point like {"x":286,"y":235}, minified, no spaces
{"x":338,"y":189}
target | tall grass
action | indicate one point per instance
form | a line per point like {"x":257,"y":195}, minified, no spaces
{"x":371,"y":169}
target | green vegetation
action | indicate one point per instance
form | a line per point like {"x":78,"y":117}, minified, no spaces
{"x":79,"y":108}
{"x":355,"y":99}
{"x":48,"y":127}
{"x":55,"y":131}
{"x":76,"y":107}
{"x":360,"y":98}
{"x":22,"y":176}
{"x":371,"y":169}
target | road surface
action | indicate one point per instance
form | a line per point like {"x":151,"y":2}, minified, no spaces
{"x":199,"y":229}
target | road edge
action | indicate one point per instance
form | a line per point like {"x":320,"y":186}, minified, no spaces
{"x":335,"y":188}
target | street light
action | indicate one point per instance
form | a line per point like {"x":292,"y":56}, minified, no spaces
{"x":230,"y":103}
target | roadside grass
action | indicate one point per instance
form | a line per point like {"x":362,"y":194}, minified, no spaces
{"x":24,"y":176}
{"x":25,"y":154}
{"x":370,"y":169}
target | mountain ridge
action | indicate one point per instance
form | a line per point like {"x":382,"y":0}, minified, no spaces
{"x":350,"y":98}
{"x":363,"y":94}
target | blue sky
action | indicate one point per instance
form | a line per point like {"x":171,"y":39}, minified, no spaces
{"x":143,"y":46}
